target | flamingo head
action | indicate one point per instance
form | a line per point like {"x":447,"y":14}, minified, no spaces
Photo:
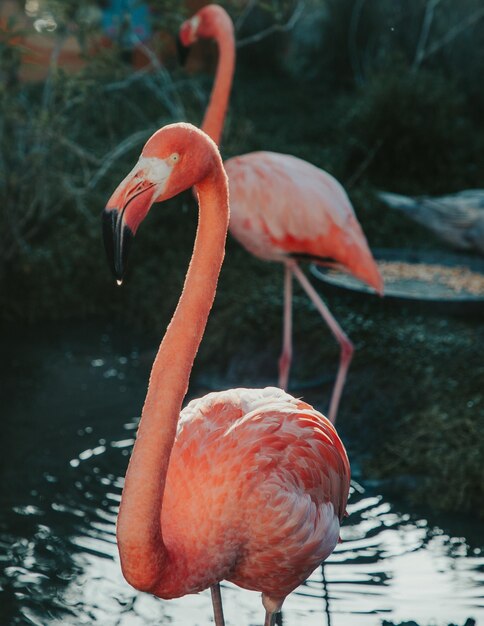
{"x":208,"y":23}
{"x":188,"y":33}
{"x":175,"y":158}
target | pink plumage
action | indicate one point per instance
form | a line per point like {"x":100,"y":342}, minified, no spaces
{"x":283,"y":205}
{"x":256,"y":477}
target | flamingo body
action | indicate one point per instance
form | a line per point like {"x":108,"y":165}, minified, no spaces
{"x":256,"y":489}
{"x":244,"y":485}
{"x":283,"y":206}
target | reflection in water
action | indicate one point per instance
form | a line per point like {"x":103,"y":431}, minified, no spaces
{"x":64,"y":468}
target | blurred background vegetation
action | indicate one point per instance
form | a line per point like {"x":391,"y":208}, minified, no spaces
{"x":384,"y":95}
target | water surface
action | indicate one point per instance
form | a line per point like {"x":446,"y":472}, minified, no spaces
{"x":69,"y":416}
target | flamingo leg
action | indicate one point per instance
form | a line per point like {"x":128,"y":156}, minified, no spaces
{"x":218,"y":612}
{"x":326,"y":596}
{"x":286,"y":356}
{"x":346,"y":346}
{"x":270,"y":619}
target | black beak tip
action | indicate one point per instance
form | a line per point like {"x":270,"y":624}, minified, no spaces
{"x":182,"y":52}
{"x":117,"y":242}
{"x":109,"y":235}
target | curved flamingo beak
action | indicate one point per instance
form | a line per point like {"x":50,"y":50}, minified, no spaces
{"x":128,"y":206}
{"x":181,"y":51}
{"x":125,"y":210}
{"x":117,"y":242}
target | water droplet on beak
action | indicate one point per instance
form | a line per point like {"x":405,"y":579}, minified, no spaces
{"x":119,"y":282}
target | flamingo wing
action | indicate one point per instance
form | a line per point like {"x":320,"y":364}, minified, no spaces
{"x":267,"y":479}
{"x":282,"y":205}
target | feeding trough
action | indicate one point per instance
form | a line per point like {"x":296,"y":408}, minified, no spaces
{"x":435,"y":279}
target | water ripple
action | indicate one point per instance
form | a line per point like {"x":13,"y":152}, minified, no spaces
{"x":61,"y":563}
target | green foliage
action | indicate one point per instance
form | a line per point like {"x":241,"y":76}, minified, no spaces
{"x":425,"y":415}
{"x":352,"y":39}
{"x":430,"y":445}
{"x":421,"y":132}
{"x":62,"y":146}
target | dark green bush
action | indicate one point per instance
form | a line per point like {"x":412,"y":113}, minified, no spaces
{"x":64,"y":146}
{"x":420,"y":131}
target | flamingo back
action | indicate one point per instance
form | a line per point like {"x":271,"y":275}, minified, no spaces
{"x":282,"y":205}
{"x":256,"y":489}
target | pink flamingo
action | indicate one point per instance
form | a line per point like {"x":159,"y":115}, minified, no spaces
{"x":247,"y":485}
{"x":283,"y":208}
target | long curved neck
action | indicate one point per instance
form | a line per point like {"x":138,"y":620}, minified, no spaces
{"x":214,"y":119}
{"x":144,"y":558}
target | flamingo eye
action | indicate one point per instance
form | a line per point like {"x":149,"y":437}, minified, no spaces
{"x":174,"y":158}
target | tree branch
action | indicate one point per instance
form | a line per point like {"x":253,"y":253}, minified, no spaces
{"x":121,"y":149}
{"x":364,"y":164}
{"x":424,"y":33}
{"x":352,"y":43}
{"x":454,"y":32}
{"x":76,"y":149}
{"x":243,"y":16}
{"x":275,"y":28}
{"x":175,"y":106}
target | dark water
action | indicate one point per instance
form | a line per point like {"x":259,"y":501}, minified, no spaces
{"x":68,"y":418}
